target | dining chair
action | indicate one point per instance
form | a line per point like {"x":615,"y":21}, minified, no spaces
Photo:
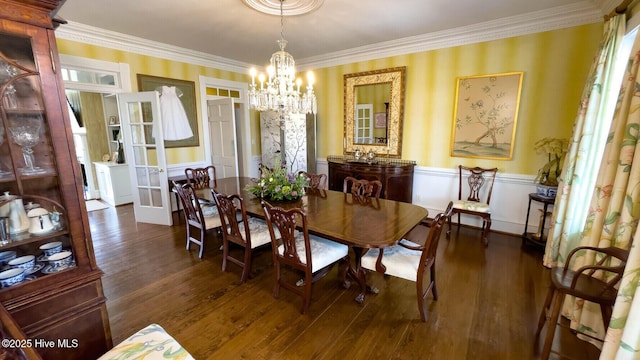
{"x":199,"y":218}
{"x":240,"y":229}
{"x":595,"y":283}
{"x":201,"y":178}
{"x":412,"y":257}
{"x":297,"y":249}
{"x":316,"y":181}
{"x":362,"y":188}
{"x":474,"y":199}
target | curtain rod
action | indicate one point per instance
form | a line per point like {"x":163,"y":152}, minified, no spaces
{"x":620,"y":9}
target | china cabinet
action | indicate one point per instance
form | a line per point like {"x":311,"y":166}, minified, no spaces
{"x":62,"y":305}
{"x":396,"y":175}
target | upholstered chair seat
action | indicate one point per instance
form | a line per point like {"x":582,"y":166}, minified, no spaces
{"x":259,"y":231}
{"x":400,"y":261}
{"x":472,"y":206}
{"x":323,"y":252}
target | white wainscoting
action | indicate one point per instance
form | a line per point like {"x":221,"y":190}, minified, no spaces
{"x":433,"y":188}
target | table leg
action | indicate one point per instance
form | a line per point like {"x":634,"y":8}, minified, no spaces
{"x":359,"y":274}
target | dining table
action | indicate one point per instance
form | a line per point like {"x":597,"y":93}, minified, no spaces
{"x":360,"y":223}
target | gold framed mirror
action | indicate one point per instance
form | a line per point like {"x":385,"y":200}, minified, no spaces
{"x":374,"y":111}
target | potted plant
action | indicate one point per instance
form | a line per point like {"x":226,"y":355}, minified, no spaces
{"x":276,"y":184}
{"x":548,"y":175}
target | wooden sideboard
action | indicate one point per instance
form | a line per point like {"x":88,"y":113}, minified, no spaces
{"x":396,"y":175}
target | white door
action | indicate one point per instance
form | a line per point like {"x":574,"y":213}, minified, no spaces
{"x":145,"y":156}
{"x":222,"y":135}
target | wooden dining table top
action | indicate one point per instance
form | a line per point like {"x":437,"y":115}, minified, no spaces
{"x":377,"y":223}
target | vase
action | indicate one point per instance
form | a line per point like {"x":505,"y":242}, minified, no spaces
{"x":546,"y":190}
{"x":275,"y":201}
{"x":120,"y":159}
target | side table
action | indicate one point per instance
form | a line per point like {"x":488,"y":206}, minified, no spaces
{"x":531,"y":237}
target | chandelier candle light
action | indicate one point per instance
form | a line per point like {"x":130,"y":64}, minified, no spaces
{"x":280,"y":92}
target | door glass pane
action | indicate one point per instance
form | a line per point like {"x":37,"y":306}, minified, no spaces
{"x":154,"y":177}
{"x":141,"y":173}
{"x":157,"y":197}
{"x":134,"y":113}
{"x":137,"y":134}
{"x":152,"y":157}
{"x":145,"y":200}
{"x":149,"y":134}
{"x":138,"y":156}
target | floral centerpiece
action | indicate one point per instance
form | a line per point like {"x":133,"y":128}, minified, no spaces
{"x":278,"y":184}
{"x":555,"y":149}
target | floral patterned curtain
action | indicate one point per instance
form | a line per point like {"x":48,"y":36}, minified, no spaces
{"x":613,"y":213}
{"x":585,"y":150}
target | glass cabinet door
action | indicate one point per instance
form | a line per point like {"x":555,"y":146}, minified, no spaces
{"x":34,"y":235}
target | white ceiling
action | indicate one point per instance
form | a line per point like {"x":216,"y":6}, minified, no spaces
{"x":231,"y":30}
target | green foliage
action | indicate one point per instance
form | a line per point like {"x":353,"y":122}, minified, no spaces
{"x":277,"y":184}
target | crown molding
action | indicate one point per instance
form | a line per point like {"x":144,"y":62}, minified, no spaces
{"x":118,"y":41}
{"x":534,"y":22}
{"x":545,"y":20}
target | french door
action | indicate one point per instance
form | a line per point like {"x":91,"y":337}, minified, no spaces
{"x":144,"y":153}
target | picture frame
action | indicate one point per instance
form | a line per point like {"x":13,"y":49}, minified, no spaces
{"x":380,"y":120}
{"x":188,"y":100}
{"x":486,"y":115}
{"x":113,"y":120}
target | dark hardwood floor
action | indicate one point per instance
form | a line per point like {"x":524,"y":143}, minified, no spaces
{"x":489,"y":301}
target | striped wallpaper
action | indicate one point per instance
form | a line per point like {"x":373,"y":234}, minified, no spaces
{"x":555,"y":66}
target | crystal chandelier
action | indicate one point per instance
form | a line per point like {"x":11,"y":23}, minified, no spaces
{"x":281,"y":91}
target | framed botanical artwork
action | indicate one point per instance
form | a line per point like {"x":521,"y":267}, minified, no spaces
{"x":186,"y":91}
{"x":485,"y":116}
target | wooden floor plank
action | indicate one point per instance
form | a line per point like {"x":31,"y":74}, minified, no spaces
{"x":490,"y":298}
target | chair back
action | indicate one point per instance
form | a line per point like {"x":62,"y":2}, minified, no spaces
{"x":201,"y":178}
{"x":316,"y":181}
{"x":480,"y":183}
{"x":228,"y":208}
{"x":433,"y":238}
{"x":362,"y":188}
{"x":285,"y":221}
{"x":190,"y":203}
